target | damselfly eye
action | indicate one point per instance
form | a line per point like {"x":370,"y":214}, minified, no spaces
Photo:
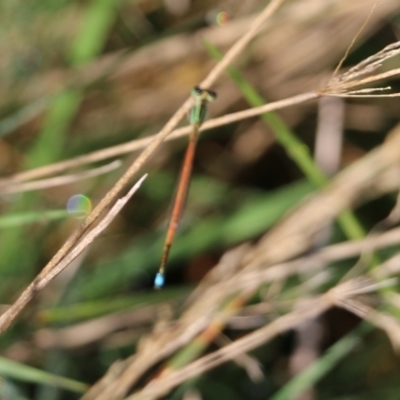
{"x":196,"y":91}
{"x":211,"y":95}
{"x":203,"y":94}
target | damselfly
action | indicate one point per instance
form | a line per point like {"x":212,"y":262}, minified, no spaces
{"x":197,"y":116}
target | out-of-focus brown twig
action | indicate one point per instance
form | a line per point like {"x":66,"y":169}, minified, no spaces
{"x":139,"y":144}
{"x":16,"y":187}
{"x":309,"y":308}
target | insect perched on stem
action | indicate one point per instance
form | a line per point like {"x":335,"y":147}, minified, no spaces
{"x":197,"y":116}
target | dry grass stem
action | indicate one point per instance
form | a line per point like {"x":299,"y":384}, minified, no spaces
{"x":356,"y":36}
{"x":369,"y":65}
{"x":374,"y":78}
{"x":325,"y":255}
{"x":241,"y":44}
{"x":379,"y":319}
{"x":353,"y":248}
{"x":139,"y":144}
{"x":307,"y":310}
{"x":352,"y":78}
{"x":46,"y":276}
{"x":389,"y":267}
{"x":250,"y":364}
{"x":329,"y":134}
{"x":338,"y":87}
{"x":15,"y":187}
{"x":355,"y":96}
{"x":89,"y":332}
{"x":297,"y":231}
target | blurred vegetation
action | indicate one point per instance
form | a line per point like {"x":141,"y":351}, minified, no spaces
{"x":79,"y":76}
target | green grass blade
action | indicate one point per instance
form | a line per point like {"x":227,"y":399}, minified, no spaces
{"x":294,"y":147}
{"x":318,"y":369}
{"x":19,"y":219}
{"x":100,"y":15}
{"x":23,"y":372}
{"x":93,"y":309}
{"x":22,"y":116}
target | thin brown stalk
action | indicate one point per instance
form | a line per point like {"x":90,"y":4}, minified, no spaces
{"x":308,"y":309}
{"x":363,"y":96}
{"x":249,"y":363}
{"x":352,"y":84}
{"x":241,"y":44}
{"x":16,"y":187}
{"x":369,"y":65}
{"x":139,"y":144}
{"x":353,"y":41}
{"x":339,"y":87}
{"x":352,"y":78}
{"x":326,"y":255}
{"x":389,"y":267}
{"x":381,"y":320}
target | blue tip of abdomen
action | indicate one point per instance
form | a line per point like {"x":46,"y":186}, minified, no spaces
{"x":159,"y":281}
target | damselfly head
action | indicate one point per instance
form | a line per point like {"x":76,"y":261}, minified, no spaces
{"x":203,"y":94}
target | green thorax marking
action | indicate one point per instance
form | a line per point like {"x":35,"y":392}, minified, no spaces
{"x":201,"y":98}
